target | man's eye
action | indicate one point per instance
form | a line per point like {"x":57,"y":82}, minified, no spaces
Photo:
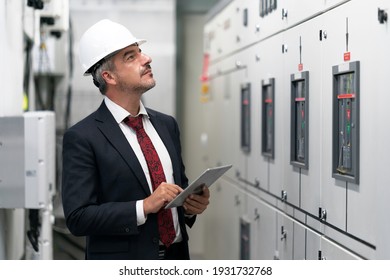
{"x":130,"y":56}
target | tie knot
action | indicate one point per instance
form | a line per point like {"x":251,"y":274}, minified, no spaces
{"x":134,"y":122}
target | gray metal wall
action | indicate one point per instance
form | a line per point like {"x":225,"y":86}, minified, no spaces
{"x":290,"y":227}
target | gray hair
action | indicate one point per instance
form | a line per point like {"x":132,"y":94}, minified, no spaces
{"x":106,"y":64}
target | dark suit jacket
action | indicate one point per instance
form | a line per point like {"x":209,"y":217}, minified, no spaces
{"x":102,"y":180}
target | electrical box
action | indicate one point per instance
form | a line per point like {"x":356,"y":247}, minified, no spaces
{"x":39,"y":130}
{"x":268,"y":118}
{"x":245,"y":239}
{"x":55,"y":14}
{"x":12,"y":193}
{"x":27,"y":160}
{"x":246,"y":117}
{"x":346,"y":122}
{"x":299,"y":154}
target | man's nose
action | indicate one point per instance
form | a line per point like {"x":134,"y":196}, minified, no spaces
{"x":147,"y":59}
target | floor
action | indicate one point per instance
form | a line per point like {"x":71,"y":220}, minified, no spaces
{"x":69,"y":247}
{"x":66,"y":246}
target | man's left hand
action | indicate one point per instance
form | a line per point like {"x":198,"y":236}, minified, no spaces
{"x":197,"y":203}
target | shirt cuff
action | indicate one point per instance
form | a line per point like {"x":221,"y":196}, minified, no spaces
{"x":141,"y":219}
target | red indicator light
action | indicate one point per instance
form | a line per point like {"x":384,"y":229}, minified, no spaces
{"x":346,"y":95}
{"x":347,"y":56}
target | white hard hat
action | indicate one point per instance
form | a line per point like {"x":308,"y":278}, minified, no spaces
{"x":102,"y":39}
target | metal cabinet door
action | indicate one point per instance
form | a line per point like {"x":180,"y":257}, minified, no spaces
{"x":263,"y":229}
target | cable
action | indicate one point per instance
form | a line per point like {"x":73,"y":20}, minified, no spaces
{"x":70,"y":79}
{"x":27,"y":64}
{"x":33,"y":233}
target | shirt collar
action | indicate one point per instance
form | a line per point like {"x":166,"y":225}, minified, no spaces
{"x":119,"y":112}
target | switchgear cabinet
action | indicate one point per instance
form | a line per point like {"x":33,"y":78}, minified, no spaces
{"x":299,"y":120}
{"x":346,"y":122}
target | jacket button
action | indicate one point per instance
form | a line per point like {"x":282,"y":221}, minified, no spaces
{"x":127,"y":230}
{"x":155,"y":240}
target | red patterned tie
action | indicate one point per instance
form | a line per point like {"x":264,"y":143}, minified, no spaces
{"x":164,"y":216}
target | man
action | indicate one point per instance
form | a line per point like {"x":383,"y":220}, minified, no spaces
{"x":122,"y":164}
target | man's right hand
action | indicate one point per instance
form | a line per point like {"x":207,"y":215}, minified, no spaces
{"x":163,"y":194}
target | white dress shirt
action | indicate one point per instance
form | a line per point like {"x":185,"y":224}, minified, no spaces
{"x":120,"y":114}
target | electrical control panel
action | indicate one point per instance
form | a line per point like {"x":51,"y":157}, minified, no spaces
{"x":39,"y":158}
{"x":12,"y":191}
{"x":268,"y":118}
{"x":246,"y":117}
{"x":299,"y":155}
{"x":346,"y":122}
{"x":27,"y":160}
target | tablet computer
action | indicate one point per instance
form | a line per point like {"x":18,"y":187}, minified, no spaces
{"x":208,"y":177}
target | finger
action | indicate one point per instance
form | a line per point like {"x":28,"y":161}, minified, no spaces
{"x":202,"y":199}
{"x":174,"y":192}
{"x":166,"y":191}
{"x":206,"y":192}
{"x":198,"y":202}
{"x":192,"y":209}
{"x":170,"y":188}
{"x":166,"y":196}
{"x":153,"y":204}
{"x":170,"y":195}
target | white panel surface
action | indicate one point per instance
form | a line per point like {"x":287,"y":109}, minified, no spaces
{"x":39,"y":158}
{"x":285,"y":237}
{"x":303,"y":186}
{"x":312,"y":246}
{"x":228,"y":204}
{"x":11,"y":57}
{"x":365,"y":200}
{"x":300,"y":239}
{"x":332,"y":251}
{"x":380,"y":146}
{"x":263,"y":230}
{"x":333,"y":192}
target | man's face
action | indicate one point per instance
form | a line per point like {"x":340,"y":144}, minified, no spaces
{"x":133,"y":71}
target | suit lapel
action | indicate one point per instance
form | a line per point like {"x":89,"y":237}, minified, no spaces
{"x":109,"y":127}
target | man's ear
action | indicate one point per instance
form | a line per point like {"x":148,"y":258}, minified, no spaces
{"x":109,"y":77}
